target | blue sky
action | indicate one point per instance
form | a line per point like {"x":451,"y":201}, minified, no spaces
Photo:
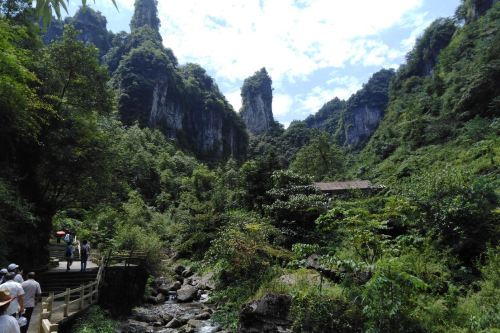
{"x":313,"y":50}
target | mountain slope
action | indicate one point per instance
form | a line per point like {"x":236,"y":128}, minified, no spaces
{"x":446,"y":116}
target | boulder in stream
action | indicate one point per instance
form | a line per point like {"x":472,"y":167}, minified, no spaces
{"x":187,"y":293}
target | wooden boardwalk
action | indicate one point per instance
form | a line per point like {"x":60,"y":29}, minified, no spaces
{"x":59,"y":306}
{"x":35,"y":318}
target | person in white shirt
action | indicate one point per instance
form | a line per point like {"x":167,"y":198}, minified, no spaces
{"x":32,"y":293}
{"x":8,"y":324}
{"x":15,"y":268}
{"x":15,"y":290}
{"x":3,"y":271}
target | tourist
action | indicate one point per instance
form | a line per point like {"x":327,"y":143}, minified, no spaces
{"x":15,"y":290}
{"x":69,"y":256}
{"x":8,"y":324}
{"x":3,"y":271}
{"x":32,"y":293}
{"x":67,"y":237}
{"x":15,"y":269}
{"x":84,"y":255}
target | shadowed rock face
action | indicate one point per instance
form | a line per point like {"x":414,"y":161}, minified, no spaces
{"x":145,"y":14}
{"x":257,"y":99}
{"x":211,"y":129}
{"x":352,"y":122}
{"x":181,"y":101}
{"x":477,"y":8}
{"x":363,"y":122}
{"x":269,"y":314}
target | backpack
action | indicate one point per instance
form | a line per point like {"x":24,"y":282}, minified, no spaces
{"x":69,"y":251}
{"x":85,"y":250}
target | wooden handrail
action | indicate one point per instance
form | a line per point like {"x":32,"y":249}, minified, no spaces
{"x":88,"y":293}
{"x":88,"y":296}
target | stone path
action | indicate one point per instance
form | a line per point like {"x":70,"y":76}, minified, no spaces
{"x":74,"y":267}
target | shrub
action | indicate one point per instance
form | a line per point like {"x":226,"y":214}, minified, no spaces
{"x":95,"y":321}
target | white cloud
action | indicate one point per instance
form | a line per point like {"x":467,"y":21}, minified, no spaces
{"x":281,"y":104}
{"x":418,"y":22}
{"x":234,"y":98}
{"x":314,"y":100}
{"x":344,"y":86}
{"x":339,"y":86}
{"x":233,"y":38}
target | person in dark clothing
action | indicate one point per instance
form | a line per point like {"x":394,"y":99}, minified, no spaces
{"x":84,"y":255}
{"x":69,"y":256}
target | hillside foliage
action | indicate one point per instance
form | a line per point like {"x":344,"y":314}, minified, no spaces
{"x":421,"y":254}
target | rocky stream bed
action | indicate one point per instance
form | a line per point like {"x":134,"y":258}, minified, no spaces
{"x":175,"y":306}
{"x":181,"y":305}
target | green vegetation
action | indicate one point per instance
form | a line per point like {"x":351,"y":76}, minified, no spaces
{"x":95,"y":321}
{"x":421,"y":255}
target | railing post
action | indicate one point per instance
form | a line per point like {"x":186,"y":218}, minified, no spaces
{"x":82,"y":294}
{"x":91,"y":291}
{"x":50,"y":304}
{"x":66,"y":302}
{"x":40,"y":321}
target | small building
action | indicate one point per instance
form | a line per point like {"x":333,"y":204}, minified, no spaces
{"x":347,"y":186}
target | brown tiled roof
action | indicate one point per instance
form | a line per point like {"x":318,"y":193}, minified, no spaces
{"x":347,"y":185}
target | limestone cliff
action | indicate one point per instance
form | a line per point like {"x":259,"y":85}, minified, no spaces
{"x":364,"y":111}
{"x":145,"y":14}
{"x":257,"y":99}
{"x":352,"y":122}
{"x":182,"y":101}
{"x":91,"y":25}
{"x":473,"y":9}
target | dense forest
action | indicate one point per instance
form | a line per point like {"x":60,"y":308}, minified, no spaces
{"x":107,"y":134}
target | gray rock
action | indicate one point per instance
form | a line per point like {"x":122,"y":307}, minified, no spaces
{"x":167,"y":288}
{"x":161,"y":281}
{"x":132,"y":326}
{"x":202,"y":316}
{"x":160,"y":298}
{"x":187,"y":293}
{"x":179,"y":269}
{"x":195,"y":323}
{"x":166,"y":317}
{"x":187,"y":272}
{"x":187,"y":329}
{"x":146,"y":316}
{"x":174,"y":323}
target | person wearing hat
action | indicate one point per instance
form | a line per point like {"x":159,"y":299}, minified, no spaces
{"x":3,"y":271}
{"x":15,"y":290}
{"x":15,"y":268}
{"x":8,"y":324}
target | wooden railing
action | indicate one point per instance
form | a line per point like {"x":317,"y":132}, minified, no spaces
{"x":126,"y":258}
{"x":88,"y":294}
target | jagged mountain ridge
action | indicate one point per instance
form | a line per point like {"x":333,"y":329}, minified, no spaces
{"x":153,"y":90}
